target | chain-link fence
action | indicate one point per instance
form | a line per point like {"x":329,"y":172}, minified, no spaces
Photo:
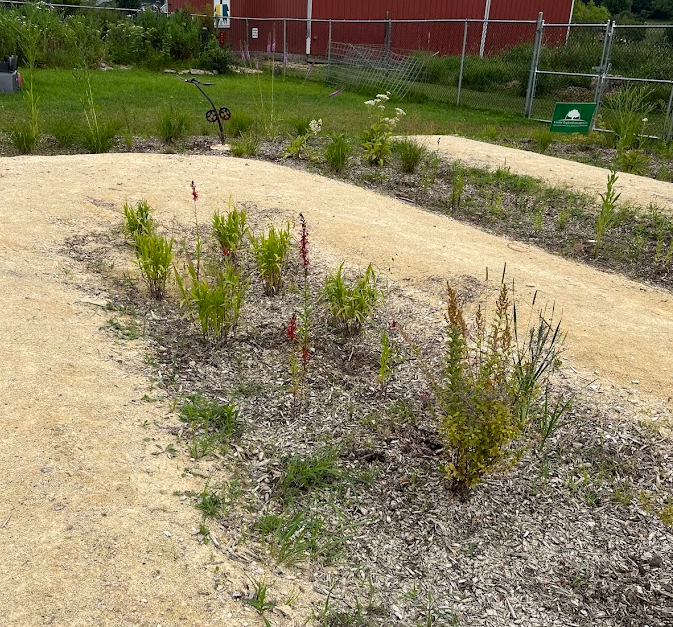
{"x":519,"y":67}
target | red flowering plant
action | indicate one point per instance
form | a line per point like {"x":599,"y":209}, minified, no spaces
{"x":195,"y":198}
{"x":298,"y":329}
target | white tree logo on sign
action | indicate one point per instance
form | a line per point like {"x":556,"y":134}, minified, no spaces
{"x":573,"y":115}
{"x":222,"y":13}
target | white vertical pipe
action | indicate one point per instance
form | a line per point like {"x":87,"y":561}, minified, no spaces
{"x":484,"y":28}
{"x":309,"y":15}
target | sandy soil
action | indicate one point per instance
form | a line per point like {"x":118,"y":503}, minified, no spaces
{"x":86,"y":507}
{"x":636,"y":190}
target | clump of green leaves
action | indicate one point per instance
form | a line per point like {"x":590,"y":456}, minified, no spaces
{"x":543,"y":139}
{"x":304,"y":473}
{"x":214,"y":302}
{"x":457,"y":186}
{"x":338,"y":152}
{"x":627,"y":111}
{"x":230,"y":230}
{"x":137,"y":219}
{"x":154,"y":255}
{"x":351,"y":304}
{"x":271,"y":251}
{"x":411,"y":154}
{"x":607,"y":217}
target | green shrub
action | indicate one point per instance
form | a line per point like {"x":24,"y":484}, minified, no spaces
{"x":125,"y":42}
{"x":626,"y":112}
{"x":215,"y":58}
{"x":271,"y":252}
{"x":215,"y":303}
{"x":154,"y":255}
{"x":230,"y":231}
{"x":494,"y":384}
{"x":351,"y":305}
{"x":338,"y":152}
{"x":634,"y":161}
{"x":411,"y":154}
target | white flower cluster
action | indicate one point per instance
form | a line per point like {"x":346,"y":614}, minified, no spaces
{"x":315,"y":126}
{"x":379,"y":101}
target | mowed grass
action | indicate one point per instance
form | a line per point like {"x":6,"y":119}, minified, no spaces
{"x":135,"y":99}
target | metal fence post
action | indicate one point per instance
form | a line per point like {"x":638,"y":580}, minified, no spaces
{"x":462,"y":63}
{"x":329,"y":51}
{"x":604,"y":70}
{"x":247,"y":35}
{"x":284,"y":45}
{"x":535,"y":60}
{"x":669,"y":118}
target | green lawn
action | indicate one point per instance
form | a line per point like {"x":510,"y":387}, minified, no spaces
{"x":140,"y":97}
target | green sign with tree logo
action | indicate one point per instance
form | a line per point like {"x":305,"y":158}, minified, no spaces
{"x":573,"y":117}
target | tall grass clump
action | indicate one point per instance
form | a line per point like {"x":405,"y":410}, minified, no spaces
{"x":172,"y":126}
{"x":493,"y":387}
{"x":626,"y":111}
{"x":98,"y":136}
{"x":271,"y":250}
{"x":154,"y":255}
{"x":337,"y":152}
{"x":247,"y":145}
{"x":351,"y":304}
{"x":411,"y":154}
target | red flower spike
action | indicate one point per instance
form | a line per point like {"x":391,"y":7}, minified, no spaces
{"x":195,"y":194}
{"x":303,"y":245}
{"x":305,"y":354}
{"x":225,"y":252}
{"x":291,"y":332}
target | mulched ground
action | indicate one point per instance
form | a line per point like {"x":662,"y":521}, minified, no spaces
{"x":580,"y":540}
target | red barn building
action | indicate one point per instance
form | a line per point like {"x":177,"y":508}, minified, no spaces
{"x":269,"y":20}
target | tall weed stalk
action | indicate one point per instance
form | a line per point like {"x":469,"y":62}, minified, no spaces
{"x":607,"y":216}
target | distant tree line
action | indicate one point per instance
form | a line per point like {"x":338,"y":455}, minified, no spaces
{"x":624,"y":11}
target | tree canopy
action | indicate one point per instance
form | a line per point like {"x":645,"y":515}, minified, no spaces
{"x":598,"y":11}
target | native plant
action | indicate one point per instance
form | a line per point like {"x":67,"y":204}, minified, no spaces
{"x":411,"y":154}
{"x":211,"y":424}
{"x":230,"y":231}
{"x":457,"y":186}
{"x":298,"y":147}
{"x":98,"y":135}
{"x":627,"y":111}
{"x":271,"y":250}
{"x":137,"y":219}
{"x":377,"y":140}
{"x":493,"y":388}
{"x":337,"y":153}
{"x":154,"y":255}
{"x":607,"y":217}
{"x":299,"y":330}
{"x":387,"y":361}
{"x":351,"y":304}
{"x":247,"y":144}
{"x":172,"y":126}
{"x":214,"y":302}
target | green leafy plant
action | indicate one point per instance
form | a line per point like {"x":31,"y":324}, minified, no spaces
{"x":216,"y":503}
{"x":154,"y":255}
{"x":491,"y":386}
{"x":337,"y":152}
{"x":271,"y":250}
{"x":137,"y":220}
{"x":607,"y":217}
{"x":634,"y":161}
{"x":240,"y":123}
{"x":411,"y":153}
{"x":214,"y":302}
{"x":298,"y":147}
{"x":351,"y":304}
{"x":386,"y":361}
{"x":258,"y":599}
{"x":377,"y":140}
{"x":230,"y":230}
